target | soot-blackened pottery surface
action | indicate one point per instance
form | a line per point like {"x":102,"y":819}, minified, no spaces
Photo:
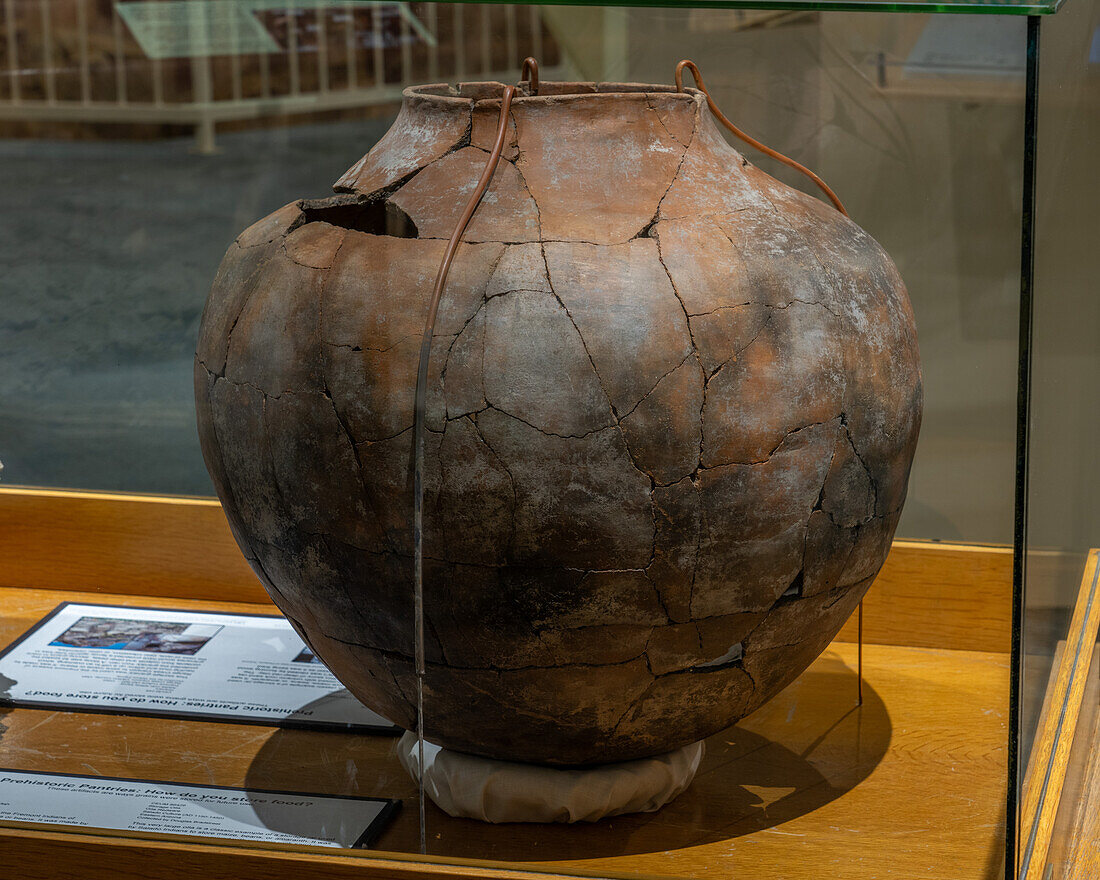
{"x":673,"y":407}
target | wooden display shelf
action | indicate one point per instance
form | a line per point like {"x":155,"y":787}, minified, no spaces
{"x":911,"y":784}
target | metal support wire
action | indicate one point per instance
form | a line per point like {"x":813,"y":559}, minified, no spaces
{"x":419,"y":430}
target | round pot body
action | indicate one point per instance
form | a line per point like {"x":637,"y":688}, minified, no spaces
{"x":672,"y":409}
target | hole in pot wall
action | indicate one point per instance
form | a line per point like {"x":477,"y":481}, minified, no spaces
{"x":349,"y":212}
{"x":794,"y":591}
{"x":732,"y":657}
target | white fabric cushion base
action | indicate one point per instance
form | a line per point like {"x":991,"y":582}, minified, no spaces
{"x":505,"y":791}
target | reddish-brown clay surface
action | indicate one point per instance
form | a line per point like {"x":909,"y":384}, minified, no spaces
{"x":673,"y":406}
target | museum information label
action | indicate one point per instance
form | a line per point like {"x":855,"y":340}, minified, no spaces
{"x":185,"y":664}
{"x":191,"y":810}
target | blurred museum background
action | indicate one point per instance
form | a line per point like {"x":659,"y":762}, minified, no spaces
{"x":138,"y":138}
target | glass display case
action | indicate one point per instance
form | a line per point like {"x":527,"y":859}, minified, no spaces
{"x":943,"y":729}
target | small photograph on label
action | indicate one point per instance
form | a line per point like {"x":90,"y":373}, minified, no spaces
{"x":307,"y":656}
{"x":151,"y":636}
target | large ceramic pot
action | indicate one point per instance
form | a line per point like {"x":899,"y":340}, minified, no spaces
{"x":673,"y":407}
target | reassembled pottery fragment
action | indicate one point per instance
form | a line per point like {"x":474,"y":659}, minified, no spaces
{"x":673,"y":405}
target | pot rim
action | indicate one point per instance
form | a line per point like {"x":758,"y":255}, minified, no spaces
{"x":468,"y":94}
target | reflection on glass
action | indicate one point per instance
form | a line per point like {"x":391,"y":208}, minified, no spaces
{"x":113,"y":243}
{"x":137,"y":139}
